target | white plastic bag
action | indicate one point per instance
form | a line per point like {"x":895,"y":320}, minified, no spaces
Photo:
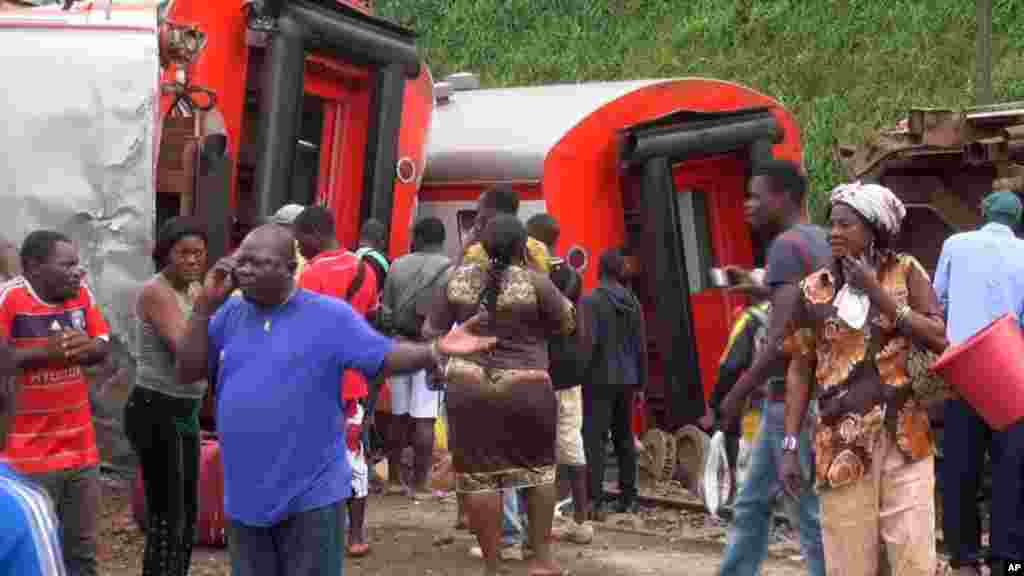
{"x":716,"y":484}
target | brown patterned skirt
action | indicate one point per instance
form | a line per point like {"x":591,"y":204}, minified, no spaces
{"x":502,"y":426}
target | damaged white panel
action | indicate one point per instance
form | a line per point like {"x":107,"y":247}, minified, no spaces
{"x":77,"y":147}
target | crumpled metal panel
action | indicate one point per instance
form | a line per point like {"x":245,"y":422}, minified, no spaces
{"x":77,"y":154}
{"x":77,"y":150}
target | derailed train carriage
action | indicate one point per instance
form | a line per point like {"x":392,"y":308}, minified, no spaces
{"x":658,"y":167}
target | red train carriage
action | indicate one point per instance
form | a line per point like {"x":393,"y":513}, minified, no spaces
{"x":657,"y":166}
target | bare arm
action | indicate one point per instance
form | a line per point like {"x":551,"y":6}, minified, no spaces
{"x":193,"y":353}
{"x":798,"y":392}
{"x":157,"y":304}
{"x":409,"y":357}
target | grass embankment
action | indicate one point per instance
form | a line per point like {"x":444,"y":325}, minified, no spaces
{"x":843,"y":66}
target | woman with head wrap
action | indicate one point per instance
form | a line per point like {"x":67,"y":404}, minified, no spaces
{"x":501,"y":405}
{"x":851,"y":335}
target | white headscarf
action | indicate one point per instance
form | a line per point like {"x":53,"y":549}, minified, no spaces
{"x":877,"y":204}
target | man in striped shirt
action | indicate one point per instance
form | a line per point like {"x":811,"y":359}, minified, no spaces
{"x":28,"y":529}
{"x":56,"y":327}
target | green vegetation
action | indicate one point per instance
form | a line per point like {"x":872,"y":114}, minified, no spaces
{"x":843,"y":66}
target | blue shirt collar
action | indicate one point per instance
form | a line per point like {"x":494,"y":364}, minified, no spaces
{"x":997,"y":228}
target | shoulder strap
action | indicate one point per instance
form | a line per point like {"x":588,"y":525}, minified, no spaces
{"x":357,"y":282}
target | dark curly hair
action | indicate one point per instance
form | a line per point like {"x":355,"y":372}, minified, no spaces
{"x":173,"y":230}
{"x":504,"y":239}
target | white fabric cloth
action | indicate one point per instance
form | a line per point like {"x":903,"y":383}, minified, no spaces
{"x":410,"y":396}
{"x":570,"y":427}
{"x":357,"y":460}
{"x":877,"y":204}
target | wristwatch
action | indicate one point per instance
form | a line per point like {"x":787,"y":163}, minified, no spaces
{"x":790,"y":443}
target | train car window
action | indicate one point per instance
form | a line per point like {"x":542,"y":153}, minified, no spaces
{"x":306,"y":170}
{"x":695,"y":230}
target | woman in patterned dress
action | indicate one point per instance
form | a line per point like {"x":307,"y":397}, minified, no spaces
{"x":501,"y":405}
{"x":855,"y":327}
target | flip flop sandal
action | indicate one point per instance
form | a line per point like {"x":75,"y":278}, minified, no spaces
{"x":358,"y":550}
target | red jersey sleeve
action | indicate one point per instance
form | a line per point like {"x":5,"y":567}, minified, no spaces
{"x":95,"y":324}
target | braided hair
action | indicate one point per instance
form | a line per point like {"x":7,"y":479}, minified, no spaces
{"x":504,"y":239}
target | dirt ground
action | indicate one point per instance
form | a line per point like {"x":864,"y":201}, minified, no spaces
{"x":411,"y":538}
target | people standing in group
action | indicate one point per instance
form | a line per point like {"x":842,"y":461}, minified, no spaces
{"x":508,"y":389}
{"x":334,"y":271}
{"x":565,"y":370}
{"x":409,"y":291}
{"x":161,"y":417}
{"x":980,"y":277}
{"x":29,"y":534}
{"x":613,"y":356}
{"x":286,"y":473}
{"x":855,"y":324}
{"x":775,"y":208}
{"x":494,"y":201}
{"x":57,"y":328}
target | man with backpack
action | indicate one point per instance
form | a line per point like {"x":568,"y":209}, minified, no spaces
{"x":334,"y":271}
{"x":409,"y":292}
{"x":613,"y":342}
{"x":373,"y":248}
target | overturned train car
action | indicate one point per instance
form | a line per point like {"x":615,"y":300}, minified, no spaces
{"x":658,"y":167}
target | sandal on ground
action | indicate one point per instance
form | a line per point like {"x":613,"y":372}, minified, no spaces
{"x":358,"y":550}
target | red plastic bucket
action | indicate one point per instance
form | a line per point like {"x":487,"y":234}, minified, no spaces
{"x":988,"y":371}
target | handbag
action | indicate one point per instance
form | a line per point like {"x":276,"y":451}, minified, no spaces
{"x":927,"y":385}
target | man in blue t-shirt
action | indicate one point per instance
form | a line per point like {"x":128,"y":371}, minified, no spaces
{"x":277,"y":354}
{"x":29,"y":544}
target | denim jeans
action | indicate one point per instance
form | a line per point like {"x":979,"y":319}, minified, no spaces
{"x":512,"y":528}
{"x":308,"y":543}
{"x":748,"y":537}
{"x":76,"y":496}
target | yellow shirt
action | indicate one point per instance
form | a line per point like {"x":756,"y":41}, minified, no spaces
{"x":536,"y":253}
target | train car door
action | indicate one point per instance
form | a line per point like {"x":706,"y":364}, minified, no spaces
{"x":683,"y":201}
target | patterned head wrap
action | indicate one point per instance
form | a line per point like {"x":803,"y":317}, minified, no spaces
{"x":876,"y":204}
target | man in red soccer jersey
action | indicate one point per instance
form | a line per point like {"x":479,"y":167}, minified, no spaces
{"x":334,"y":271}
{"x":56,"y":326}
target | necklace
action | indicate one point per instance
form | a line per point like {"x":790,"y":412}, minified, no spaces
{"x":267,"y":323}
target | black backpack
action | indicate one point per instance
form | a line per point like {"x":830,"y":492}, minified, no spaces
{"x":563,"y":351}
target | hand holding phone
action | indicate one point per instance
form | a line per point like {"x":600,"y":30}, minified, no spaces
{"x":219,"y":283}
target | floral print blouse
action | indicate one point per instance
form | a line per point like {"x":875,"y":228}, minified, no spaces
{"x":843,"y":448}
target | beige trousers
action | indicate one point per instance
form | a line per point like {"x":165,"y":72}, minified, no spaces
{"x":894,"y":503}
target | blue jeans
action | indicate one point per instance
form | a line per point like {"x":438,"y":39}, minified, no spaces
{"x":309,"y":543}
{"x":748,"y":538}
{"x":512,"y":529}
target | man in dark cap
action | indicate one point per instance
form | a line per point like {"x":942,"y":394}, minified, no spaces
{"x":979,"y":278}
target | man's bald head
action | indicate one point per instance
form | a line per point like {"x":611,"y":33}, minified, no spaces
{"x":277,"y":237}
{"x":266,"y":264}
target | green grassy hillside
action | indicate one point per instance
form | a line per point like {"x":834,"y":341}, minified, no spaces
{"x":842,"y":66}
